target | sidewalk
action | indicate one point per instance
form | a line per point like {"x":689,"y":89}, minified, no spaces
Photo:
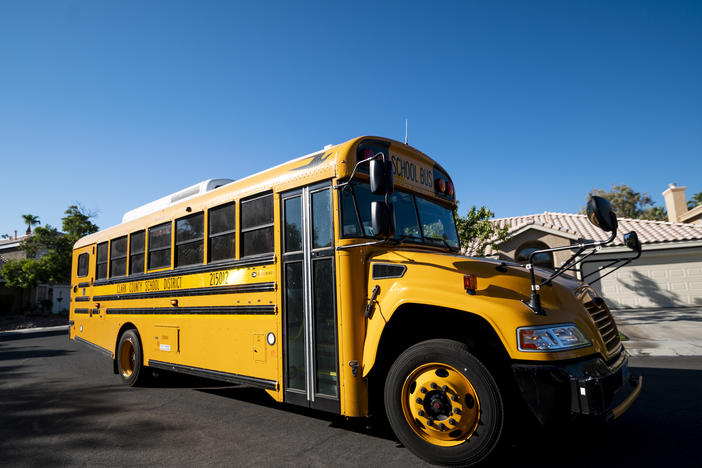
{"x":661,"y":332}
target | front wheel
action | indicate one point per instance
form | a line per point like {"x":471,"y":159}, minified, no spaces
{"x":443,"y":404}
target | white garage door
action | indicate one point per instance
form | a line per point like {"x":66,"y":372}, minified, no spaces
{"x":660,"y":278}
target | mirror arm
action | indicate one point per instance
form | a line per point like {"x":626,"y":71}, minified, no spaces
{"x":572,"y":261}
{"x":364,"y":244}
{"x":534,"y":302}
{"x":612,"y":262}
{"x":355,"y":168}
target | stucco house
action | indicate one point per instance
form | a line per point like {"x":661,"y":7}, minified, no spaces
{"x":668,"y":273}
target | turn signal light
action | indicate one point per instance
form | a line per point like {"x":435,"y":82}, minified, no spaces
{"x":470,"y":283}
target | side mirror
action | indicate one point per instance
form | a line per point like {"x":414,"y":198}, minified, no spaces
{"x":381,"y":178}
{"x":599,"y":212}
{"x":631,"y":239}
{"x":382,"y":219}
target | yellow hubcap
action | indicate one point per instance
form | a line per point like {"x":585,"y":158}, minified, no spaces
{"x":440,"y":404}
{"x":127,"y":358}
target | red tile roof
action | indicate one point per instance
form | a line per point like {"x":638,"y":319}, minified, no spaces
{"x":577,"y":225}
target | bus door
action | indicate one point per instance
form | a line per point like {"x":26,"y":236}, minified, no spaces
{"x":309,"y":306}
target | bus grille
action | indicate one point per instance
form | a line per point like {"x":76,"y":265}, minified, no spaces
{"x":600,"y":314}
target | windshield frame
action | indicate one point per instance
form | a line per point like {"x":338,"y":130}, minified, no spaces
{"x":423,"y":240}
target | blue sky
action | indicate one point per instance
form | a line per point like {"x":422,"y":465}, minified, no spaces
{"x":529,"y":105}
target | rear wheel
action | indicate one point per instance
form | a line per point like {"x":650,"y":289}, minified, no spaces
{"x":443,"y":404}
{"x":130,"y":359}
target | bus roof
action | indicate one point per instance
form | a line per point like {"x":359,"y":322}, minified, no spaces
{"x":332,"y":162}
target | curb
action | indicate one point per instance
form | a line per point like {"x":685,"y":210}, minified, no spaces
{"x":29,"y":331}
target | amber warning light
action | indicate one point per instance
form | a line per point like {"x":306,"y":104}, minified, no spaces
{"x":470,"y":283}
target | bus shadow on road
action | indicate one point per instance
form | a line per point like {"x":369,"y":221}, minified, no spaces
{"x":661,"y":428}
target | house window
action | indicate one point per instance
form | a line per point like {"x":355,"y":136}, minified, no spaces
{"x":136,"y":252}
{"x":101,"y":265}
{"x":257,"y":225}
{"x":160,"y":246}
{"x":83,"y":264}
{"x":541,"y":260}
{"x":118,"y":257}
{"x":190,"y":243}
{"x":221,"y":232}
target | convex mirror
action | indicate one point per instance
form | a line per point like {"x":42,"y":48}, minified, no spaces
{"x":382,"y":219}
{"x":631,"y":239}
{"x":381,"y":177}
{"x":600,"y":213}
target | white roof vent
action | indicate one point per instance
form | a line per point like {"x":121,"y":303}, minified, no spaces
{"x":172,"y":199}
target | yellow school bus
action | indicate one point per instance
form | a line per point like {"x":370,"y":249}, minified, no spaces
{"x":335,"y":281}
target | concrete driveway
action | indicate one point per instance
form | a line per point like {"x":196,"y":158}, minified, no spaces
{"x":661,"y":332}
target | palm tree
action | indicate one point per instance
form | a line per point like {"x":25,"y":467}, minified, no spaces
{"x":694,"y":201}
{"x":30,"y":220}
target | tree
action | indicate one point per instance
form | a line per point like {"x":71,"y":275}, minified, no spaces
{"x":30,"y":220}
{"x":476,"y":233}
{"x":627,"y":203}
{"x":49,"y":252}
{"x":695,"y":200}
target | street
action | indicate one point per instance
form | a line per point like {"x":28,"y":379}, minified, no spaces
{"x":62,"y":405}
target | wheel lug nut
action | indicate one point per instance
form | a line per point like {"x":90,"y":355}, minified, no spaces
{"x":442,"y":426}
{"x":444,"y":388}
{"x":420,"y":412}
{"x":454,"y":398}
{"x":434,"y":386}
{"x":452,"y":422}
{"x":430,"y":422}
{"x":423,"y":390}
{"x":419,"y":400}
{"x":457,"y":410}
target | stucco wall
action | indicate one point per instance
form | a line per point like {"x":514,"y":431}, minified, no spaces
{"x":509,"y":248}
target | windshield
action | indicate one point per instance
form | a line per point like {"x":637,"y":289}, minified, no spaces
{"x":416,"y":219}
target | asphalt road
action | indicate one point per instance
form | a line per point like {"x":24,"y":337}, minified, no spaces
{"x":60,"y":404}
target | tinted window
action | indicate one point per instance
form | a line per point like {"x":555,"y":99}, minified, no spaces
{"x":293,"y":224}
{"x":257,"y":225}
{"x":321,"y":219}
{"x":136,"y":252}
{"x":221,"y":232}
{"x":118,"y":257}
{"x":257,"y":212}
{"x":160,"y":246}
{"x":83,"y":264}
{"x":101,"y":265}
{"x":190,"y":240}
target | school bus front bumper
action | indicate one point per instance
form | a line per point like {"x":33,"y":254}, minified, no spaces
{"x":589,"y":388}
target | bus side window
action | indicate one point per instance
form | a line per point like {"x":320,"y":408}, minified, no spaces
{"x":101,"y":261}
{"x":221,"y":232}
{"x":118,"y":257}
{"x":160,"y":246}
{"x":83,"y":260}
{"x":257,"y":225}
{"x":189,"y":240}
{"x":136,"y":252}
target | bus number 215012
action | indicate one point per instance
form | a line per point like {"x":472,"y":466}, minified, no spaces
{"x":218,"y":278}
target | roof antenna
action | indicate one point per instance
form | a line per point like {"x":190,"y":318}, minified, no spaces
{"x":405,"y":131}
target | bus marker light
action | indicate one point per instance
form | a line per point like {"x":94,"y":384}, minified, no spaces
{"x":470,"y":283}
{"x":270,"y":338}
{"x":174,"y":302}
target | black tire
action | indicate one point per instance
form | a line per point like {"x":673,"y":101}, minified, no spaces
{"x":454,"y":431}
{"x":130,"y":359}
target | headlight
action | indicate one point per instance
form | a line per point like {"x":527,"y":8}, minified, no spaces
{"x":551,"y":338}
